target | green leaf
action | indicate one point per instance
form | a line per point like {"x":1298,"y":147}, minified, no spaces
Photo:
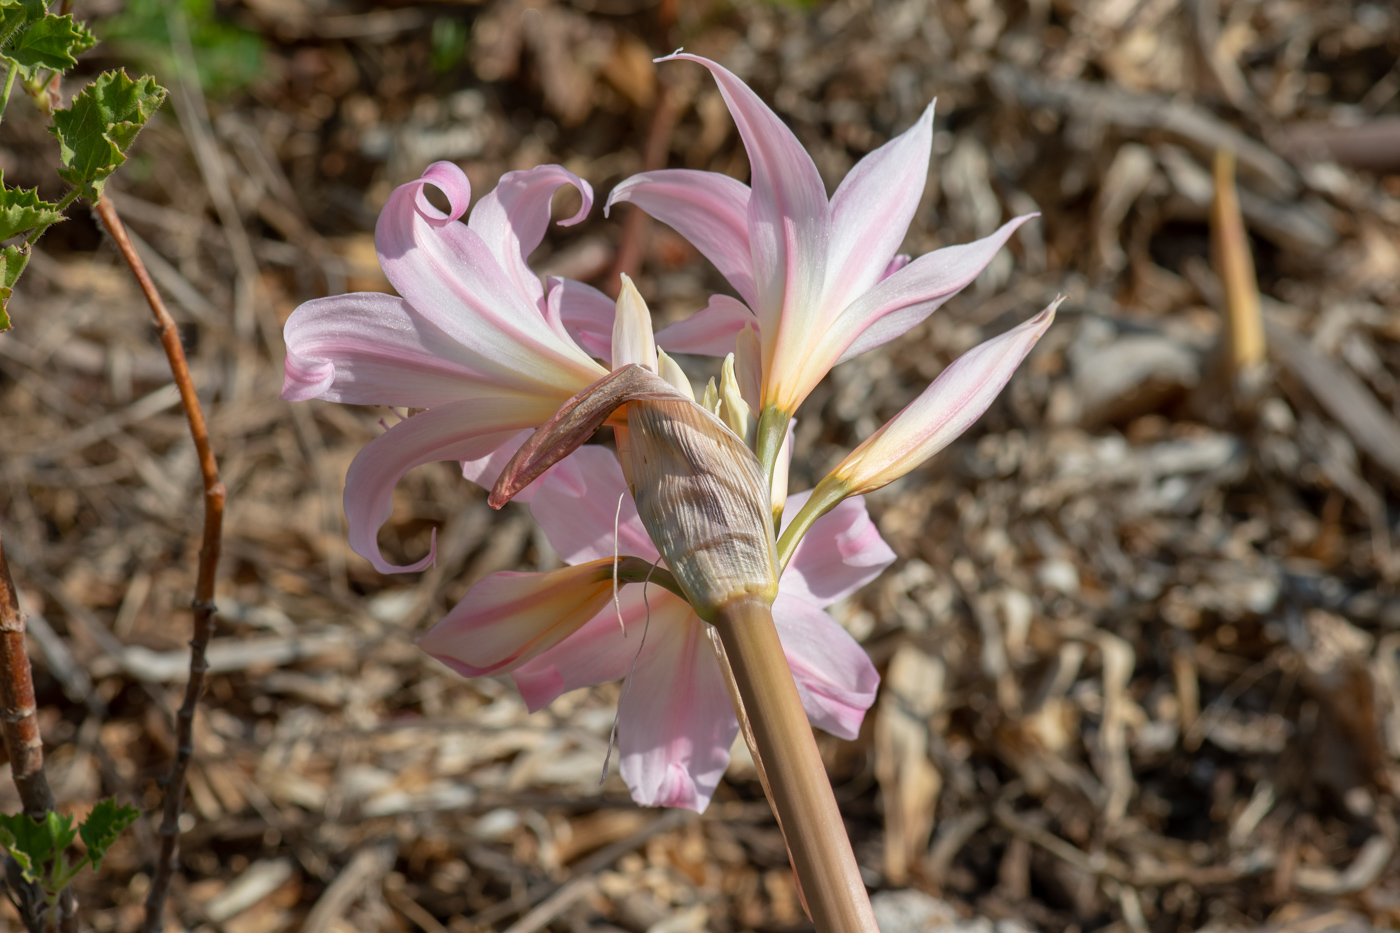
{"x":96,"y":131}
{"x":14,"y":14}
{"x":50,"y":42}
{"x":102,"y":827}
{"x":30,"y":843}
{"x":21,"y":210}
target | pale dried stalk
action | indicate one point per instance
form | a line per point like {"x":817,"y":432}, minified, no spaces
{"x":1235,"y":265}
{"x":806,"y":808}
{"x":214,"y":494}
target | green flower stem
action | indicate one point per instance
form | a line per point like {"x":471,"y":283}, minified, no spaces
{"x":9,"y":86}
{"x":824,"y":498}
{"x":636,"y":570}
{"x":772,"y":431}
{"x":806,"y":808}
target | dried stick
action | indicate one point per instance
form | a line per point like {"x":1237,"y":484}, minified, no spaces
{"x":19,"y":725}
{"x":1235,"y":266}
{"x":208,"y":563}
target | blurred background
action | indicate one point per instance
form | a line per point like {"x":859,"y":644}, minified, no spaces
{"x":1140,"y":645}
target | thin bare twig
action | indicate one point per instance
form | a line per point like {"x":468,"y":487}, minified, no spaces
{"x":19,"y":724}
{"x":208,"y":564}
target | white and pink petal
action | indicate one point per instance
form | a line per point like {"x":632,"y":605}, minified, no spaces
{"x":834,"y":676}
{"x":506,"y":619}
{"x":462,"y":430}
{"x":676,"y":724}
{"x":839,"y":554}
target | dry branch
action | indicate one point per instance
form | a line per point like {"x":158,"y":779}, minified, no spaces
{"x":208,"y":564}
{"x":19,"y":724}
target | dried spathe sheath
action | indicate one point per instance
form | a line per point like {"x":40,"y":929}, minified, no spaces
{"x":701,"y":495}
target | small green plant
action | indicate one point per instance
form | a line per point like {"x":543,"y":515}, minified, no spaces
{"x":227,"y":56}
{"x":94,"y":133}
{"x":40,"y":848}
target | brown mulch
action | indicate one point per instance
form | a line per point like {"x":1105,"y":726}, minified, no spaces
{"x":1141,"y":647}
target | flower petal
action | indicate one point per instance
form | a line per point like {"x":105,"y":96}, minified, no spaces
{"x":604,"y":649}
{"x":946,"y":409}
{"x":709,"y":331}
{"x":676,"y":723}
{"x":906,"y":297}
{"x":512,"y":219}
{"x":788,"y":229}
{"x":508,"y":618}
{"x":839,"y":554}
{"x":577,"y":503}
{"x":834,"y":676}
{"x":365,"y":348}
{"x":871,"y":211}
{"x":585,"y":314}
{"x":448,"y":273}
{"x":707,"y":208}
{"x":461,"y":430}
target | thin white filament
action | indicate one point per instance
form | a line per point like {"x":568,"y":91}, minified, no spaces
{"x":627,"y":684}
{"x":617,"y":601}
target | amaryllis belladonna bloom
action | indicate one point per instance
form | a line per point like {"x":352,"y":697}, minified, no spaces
{"x":819,"y":278}
{"x":475,"y":339}
{"x":559,"y":631}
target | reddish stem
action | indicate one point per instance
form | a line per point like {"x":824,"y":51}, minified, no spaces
{"x":19,"y":724}
{"x":208,"y":564}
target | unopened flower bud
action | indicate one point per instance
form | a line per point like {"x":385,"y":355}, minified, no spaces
{"x":632,"y":338}
{"x":671,"y":371}
{"x":735,"y":411}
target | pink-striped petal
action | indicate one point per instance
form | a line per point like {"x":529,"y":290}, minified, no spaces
{"x":460,"y":430}
{"x":709,"y":331}
{"x":897,"y":263}
{"x":707,"y":208}
{"x":604,"y":649}
{"x":585,"y":314}
{"x":910,"y":295}
{"x":448,"y":273}
{"x":676,"y":723}
{"x":366,"y":348}
{"x":508,"y":618}
{"x":513,"y":218}
{"x":834,"y":676}
{"x":788,"y":226}
{"x":839,"y":554}
{"x":577,"y":503}
{"x":871,"y":211}
{"x":946,"y":409}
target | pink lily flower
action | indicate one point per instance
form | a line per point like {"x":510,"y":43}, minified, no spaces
{"x":675,"y":722}
{"x":474,"y":340}
{"x":819,"y":278}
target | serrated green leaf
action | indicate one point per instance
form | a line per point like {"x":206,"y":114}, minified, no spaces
{"x":28,"y":842}
{"x":50,"y":42}
{"x":96,"y":131}
{"x":14,"y":14}
{"x":102,"y":827}
{"x":22,"y":210}
{"x":62,"y":830}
